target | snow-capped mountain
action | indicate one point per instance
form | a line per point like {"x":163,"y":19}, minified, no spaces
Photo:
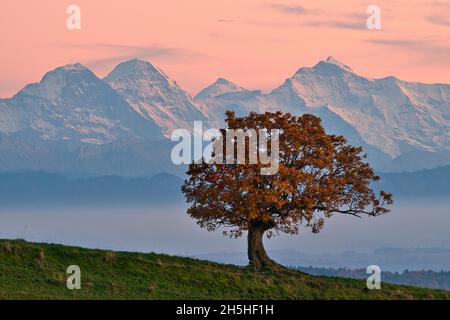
{"x":224,"y":95}
{"x":72,"y":122}
{"x":154,"y":96}
{"x":219,"y":87}
{"x":392,"y":115}
{"x":71,"y":103}
{"x":389,"y":117}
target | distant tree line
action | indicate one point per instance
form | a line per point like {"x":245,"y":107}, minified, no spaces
{"x":424,"y":278}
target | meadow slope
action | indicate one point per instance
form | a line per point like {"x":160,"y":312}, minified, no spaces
{"x":38,"y":271}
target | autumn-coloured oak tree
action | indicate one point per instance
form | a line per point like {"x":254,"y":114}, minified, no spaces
{"x":319,"y":175}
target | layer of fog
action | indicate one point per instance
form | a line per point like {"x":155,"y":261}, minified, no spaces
{"x":414,"y":223}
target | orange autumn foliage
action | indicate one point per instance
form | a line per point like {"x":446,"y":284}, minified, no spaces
{"x":319,"y":175}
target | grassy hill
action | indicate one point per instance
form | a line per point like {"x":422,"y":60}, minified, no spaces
{"x":37,"y":271}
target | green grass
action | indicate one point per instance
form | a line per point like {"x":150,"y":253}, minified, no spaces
{"x":38,"y":271}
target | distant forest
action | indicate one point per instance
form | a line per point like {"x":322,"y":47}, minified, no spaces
{"x":425,"y":279}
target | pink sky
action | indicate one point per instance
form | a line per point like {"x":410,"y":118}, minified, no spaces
{"x":256,"y":44}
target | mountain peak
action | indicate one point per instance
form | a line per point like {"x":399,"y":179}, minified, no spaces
{"x":221,"y":81}
{"x":68,"y":70}
{"x":137,"y":68}
{"x":136,"y":63}
{"x":325,"y":65}
{"x":68,"y":76}
{"x":336,"y":62}
{"x":154,"y":95}
{"x":73,"y":67}
{"x":220,"y":86}
{"x":72,"y":103}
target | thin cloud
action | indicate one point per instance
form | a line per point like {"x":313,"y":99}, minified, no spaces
{"x":293,"y":9}
{"x":314,"y":18}
{"x":440,"y":4}
{"x":355,"y":25}
{"x":119,"y":53}
{"x":288,"y":9}
{"x":149,"y":51}
{"x":438,"y":20}
{"x":429,"y":50}
{"x":425,"y":45}
{"x":226,"y":20}
{"x":350,"y":21}
{"x":406,"y":44}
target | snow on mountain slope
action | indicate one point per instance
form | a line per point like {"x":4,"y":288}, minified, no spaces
{"x":224,"y":95}
{"x":393,"y":115}
{"x":220,"y":86}
{"x":389,"y":116}
{"x":72,"y":121}
{"x":154,"y":96}
{"x":71,"y":103}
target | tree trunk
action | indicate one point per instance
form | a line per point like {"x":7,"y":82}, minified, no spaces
{"x":257,"y":256}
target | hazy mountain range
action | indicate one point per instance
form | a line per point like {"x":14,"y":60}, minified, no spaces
{"x":39,"y":188}
{"x":74,"y":123}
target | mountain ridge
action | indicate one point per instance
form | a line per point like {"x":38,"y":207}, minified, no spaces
{"x":154,"y":95}
{"x":219,"y":87}
{"x":393,"y":120}
{"x":390,"y":115}
{"x":72,"y":103}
